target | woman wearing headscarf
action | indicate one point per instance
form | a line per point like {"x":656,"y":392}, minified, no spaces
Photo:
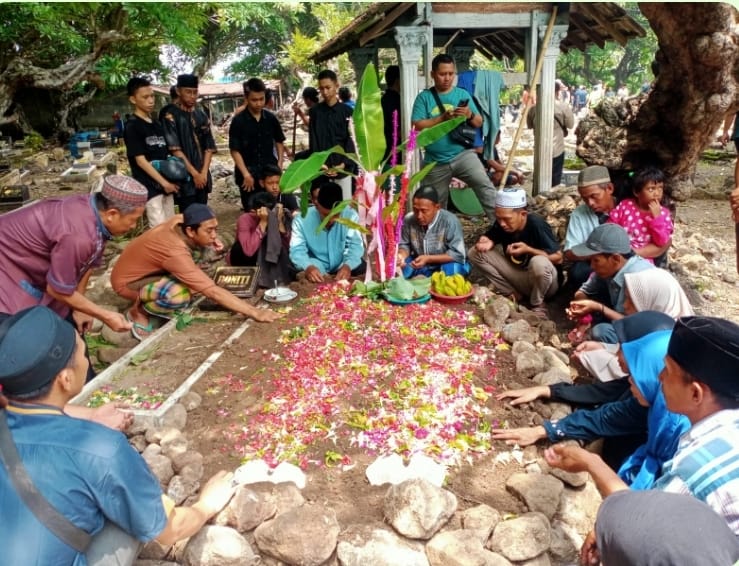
{"x":648,"y":290}
{"x":642,"y":355}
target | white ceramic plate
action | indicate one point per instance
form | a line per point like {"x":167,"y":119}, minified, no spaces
{"x":279,"y":295}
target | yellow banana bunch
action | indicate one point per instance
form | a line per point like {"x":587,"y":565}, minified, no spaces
{"x":450,"y":286}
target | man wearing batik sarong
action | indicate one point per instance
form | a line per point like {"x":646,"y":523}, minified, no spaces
{"x":158,"y":273}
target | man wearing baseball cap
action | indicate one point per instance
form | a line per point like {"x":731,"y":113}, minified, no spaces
{"x":50,"y":248}
{"x":158,"y":273}
{"x":608,"y":249}
{"x":701,"y":381}
{"x":101,"y":501}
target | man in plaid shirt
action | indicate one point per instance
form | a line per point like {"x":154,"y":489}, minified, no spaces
{"x":701,"y":381}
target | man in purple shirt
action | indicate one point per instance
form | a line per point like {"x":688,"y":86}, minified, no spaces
{"x":49,"y":249}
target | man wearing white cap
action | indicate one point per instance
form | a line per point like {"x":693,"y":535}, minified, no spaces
{"x":527,"y":266}
{"x":50,"y":248}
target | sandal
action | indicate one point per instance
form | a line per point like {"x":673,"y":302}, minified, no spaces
{"x":139,"y":331}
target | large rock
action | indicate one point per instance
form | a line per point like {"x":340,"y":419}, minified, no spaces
{"x":566,"y":542}
{"x":523,"y":538}
{"x":538,"y":491}
{"x":460,"y":548}
{"x":247,"y":510}
{"x":579,"y":507}
{"x":160,"y":466}
{"x":519,"y":347}
{"x":155,"y":435}
{"x":481,"y":519}
{"x":541,"y":560}
{"x":180,"y":489}
{"x":175,"y":446}
{"x":375,"y":545}
{"x":417,"y":509}
{"x":191,"y":400}
{"x":111,"y":354}
{"x":306,"y":536}
{"x":120,"y":339}
{"x":286,"y":496}
{"x":219,"y":546}
{"x":188,"y":458}
{"x":176,"y":417}
{"x":573,"y":479}
{"x":496,"y":313}
{"x":528,"y":364}
{"x":519,"y":330}
{"x":552,"y":376}
{"x":554,"y":358}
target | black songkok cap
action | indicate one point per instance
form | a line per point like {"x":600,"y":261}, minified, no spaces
{"x":35,"y":345}
{"x":197,"y":213}
{"x":708,"y":349}
{"x":187,"y":81}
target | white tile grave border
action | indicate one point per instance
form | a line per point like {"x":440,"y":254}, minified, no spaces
{"x":118,"y":366}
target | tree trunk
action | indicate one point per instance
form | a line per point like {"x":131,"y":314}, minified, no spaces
{"x":695,"y":88}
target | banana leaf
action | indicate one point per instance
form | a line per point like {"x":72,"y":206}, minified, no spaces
{"x":304,"y":170}
{"x":419,"y":176}
{"x":434,"y":133}
{"x":397,"y":170}
{"x":369,"y":121}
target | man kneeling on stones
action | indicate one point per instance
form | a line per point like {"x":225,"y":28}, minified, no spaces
{"x":105,"y":497}
{"x":528,"y":264}
{"x":431,"y":239}
{"x":158,"y":273}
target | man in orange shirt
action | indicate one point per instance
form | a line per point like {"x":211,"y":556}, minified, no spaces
{"x":158,"y":273}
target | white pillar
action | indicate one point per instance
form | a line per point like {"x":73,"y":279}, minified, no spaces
{"x":544,"y":118}
{"x":410,"y":40}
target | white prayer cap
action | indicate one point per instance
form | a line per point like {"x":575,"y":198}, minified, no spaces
{"x":510,"y":198}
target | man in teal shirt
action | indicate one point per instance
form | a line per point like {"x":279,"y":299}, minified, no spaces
{"x":336,"y":250}
{"x":451,"y":158}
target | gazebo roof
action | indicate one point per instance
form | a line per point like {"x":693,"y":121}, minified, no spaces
{"x":589,"y":23}
{"x":214,"y":91}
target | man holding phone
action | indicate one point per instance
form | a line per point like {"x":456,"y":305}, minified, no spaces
{"x":452,"y":159}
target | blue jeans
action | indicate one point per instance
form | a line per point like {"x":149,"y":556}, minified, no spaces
{"x":451,"y":268}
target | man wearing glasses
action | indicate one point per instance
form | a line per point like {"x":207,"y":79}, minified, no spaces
{"x":188,"y":135}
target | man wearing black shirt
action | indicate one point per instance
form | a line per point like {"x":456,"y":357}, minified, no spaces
{"x":391,"y":103}
{"x":530,"y":252}
{"x":145,"y":143}
{"x":255,"y":140}
{"x":329,"y":126}
{"x":189,"y":137}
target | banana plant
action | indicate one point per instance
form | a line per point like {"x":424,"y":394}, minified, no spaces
{"x":380,"y":211}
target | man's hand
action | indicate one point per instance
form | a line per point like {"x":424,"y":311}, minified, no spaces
{"x":313,"y":274}
{"x":248,"y":184}
{"x":568,"y":458}
{"x":82,"y":321}
{"x":484,"y":244}
{"x":170,"y":188}
{"x":217,"y":245}
{"x":110,"y":415}
{"x":521,"y":436}
{"x":525,"y":395}
{"x":581,"y":307}
{"x":343,"y":273}
{"x":589,"y":555}
{"x":116,"y":321}
{"x":200,"y":180}
{"x":265,"y":315}
{"x":420,"y":261}
{"x":734,"y":200}
{"x":655,"y":208}
{"x":216,"y":494}
{"x":518,"y":248}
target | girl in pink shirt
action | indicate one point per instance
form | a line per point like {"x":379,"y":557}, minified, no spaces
{"x":644,"y":217}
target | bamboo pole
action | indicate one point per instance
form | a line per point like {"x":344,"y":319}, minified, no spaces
{"x":534,"y":82}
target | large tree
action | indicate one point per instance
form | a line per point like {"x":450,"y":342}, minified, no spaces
{"x":71,"y":50}
{"x":697,"y":85}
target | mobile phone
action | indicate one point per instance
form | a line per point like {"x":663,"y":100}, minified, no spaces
{"x":464,"y":103}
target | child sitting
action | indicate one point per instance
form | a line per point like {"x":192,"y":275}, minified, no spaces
{"x":263,"y":239}
{"x":269,"y":181}
{"x":644,"y":217}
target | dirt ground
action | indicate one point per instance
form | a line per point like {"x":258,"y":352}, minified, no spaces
{"x":227,"y":387}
